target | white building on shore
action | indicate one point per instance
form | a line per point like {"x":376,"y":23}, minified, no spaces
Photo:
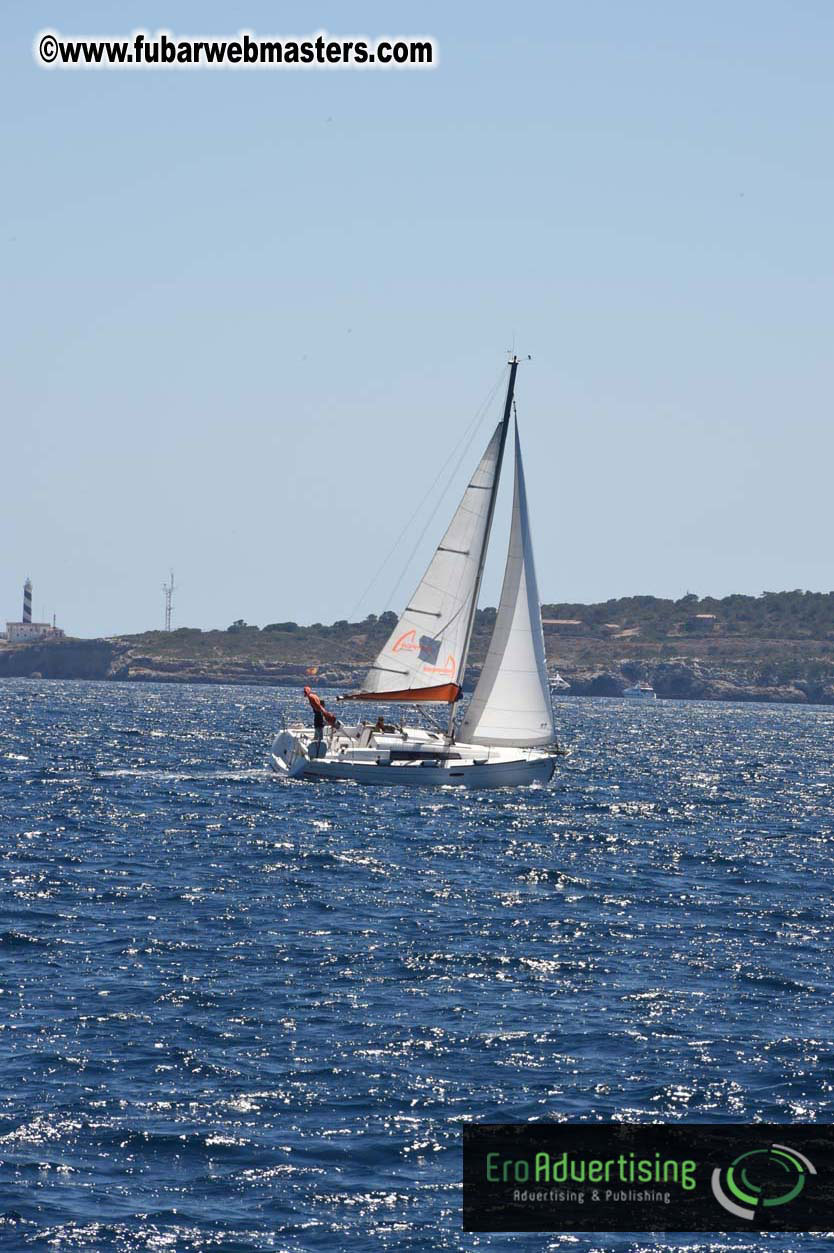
{"x":26,"y":631}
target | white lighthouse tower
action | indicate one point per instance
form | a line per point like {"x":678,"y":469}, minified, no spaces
{"x":26,"y":631}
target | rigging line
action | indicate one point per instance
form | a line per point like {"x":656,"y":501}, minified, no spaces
{"x":468,"y":437}
{"x":464,"y":444}
{"x":449,"y":481}
{"x":464,"y":603}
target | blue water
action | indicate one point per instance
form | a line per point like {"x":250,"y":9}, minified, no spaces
{"x":243,"y":1014}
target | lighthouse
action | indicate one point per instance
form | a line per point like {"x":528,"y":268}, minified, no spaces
{"x":26,"y":631}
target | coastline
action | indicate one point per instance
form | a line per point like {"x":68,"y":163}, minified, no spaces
{"x":141,"y":659}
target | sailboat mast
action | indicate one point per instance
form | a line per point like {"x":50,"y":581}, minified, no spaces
{"x":505,"y":426}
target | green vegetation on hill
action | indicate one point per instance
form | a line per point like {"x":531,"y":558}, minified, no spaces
{"x":782,"y":616}
{"x":341,"y":642}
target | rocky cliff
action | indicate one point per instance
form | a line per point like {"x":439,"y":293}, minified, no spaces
{"x":122,"y":660}
{"x":684,"y":678}
{"x":147,"y":659}
{"x":64,"y":659}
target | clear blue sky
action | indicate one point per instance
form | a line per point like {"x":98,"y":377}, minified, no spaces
{"x":246,"y":314}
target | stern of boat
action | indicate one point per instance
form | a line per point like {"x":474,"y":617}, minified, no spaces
{"x":289,"y":755}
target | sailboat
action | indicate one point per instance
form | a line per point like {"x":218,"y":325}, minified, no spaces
{"x":507,"y":735}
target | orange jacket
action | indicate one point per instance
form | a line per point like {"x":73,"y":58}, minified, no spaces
{"x":318,"y":708}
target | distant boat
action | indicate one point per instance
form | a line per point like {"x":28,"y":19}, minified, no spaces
{"x":507,"y":734}
{"x":558,"y":684}
{"x":640,"y":691}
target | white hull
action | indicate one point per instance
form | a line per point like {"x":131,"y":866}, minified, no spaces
{"x":413,"y":758}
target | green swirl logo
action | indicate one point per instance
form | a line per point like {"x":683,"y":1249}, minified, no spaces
{"x":761,"y":1178}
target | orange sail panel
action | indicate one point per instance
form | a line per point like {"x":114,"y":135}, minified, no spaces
{"x":441,"y":693}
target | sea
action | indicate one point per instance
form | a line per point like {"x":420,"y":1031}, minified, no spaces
{"x":239,"y":1013}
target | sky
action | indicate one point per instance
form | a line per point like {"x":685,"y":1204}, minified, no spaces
{"x":248,"y":315}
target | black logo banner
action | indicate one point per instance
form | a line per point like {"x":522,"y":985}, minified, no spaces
{"x":647,"y":1177}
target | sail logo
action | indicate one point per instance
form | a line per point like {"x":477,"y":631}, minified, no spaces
{"x":429,"y":651}
{"x":449,"y":669}
{"x":761,"y":1178}
{"x":407,"y":643}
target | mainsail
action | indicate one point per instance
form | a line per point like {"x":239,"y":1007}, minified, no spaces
{"x":423,"y":657}
{"x":511,"y":702}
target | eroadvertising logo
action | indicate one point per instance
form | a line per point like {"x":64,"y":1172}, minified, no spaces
{"x":761,"y":1177}
{"x":648,"y":1177}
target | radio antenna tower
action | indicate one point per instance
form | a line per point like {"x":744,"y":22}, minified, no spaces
{"x":168,"y":592}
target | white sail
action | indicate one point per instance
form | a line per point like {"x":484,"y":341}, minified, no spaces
{"x":426,"y":648}
{"x":511,"y":703}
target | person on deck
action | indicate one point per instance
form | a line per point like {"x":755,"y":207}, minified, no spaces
{"x":321,"y":715}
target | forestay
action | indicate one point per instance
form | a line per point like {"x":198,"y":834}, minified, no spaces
{"x":511,"y":703}
{"x":423,"y":655}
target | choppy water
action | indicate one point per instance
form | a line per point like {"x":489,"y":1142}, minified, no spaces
{"x":241,"y":1014}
